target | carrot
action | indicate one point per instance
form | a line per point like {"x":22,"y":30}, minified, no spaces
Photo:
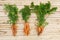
{"x":13,"y":16}
{"x":40,"y":30}
{"x":41,"y":10}
{"x":14,"y":29}
{"x":26,"y":12}
{"x":26,"y":28}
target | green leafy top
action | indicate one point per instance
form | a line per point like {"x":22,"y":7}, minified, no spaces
{"x":25,"y":13}
{"x":41,"y":10}
{"x":12,"y":13}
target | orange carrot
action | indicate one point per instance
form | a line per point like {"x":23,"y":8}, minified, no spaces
{"x":40,"y":30}
{"x":14,"y":29}
{"x":26,"y":28}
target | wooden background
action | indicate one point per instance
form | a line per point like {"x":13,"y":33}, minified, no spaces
{"x":51,"y":31}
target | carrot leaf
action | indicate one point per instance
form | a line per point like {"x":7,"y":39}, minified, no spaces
{"x":12,"y":13}
{"x":25,"y":13}
{"x":41,"y":10}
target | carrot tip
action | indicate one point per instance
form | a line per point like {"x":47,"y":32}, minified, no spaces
{"x":39,"y":33}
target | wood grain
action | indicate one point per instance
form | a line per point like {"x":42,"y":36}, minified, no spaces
{"x":51,"y":31}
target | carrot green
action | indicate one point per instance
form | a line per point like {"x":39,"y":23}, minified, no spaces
{"x":12,"y":13}
{"x":41,"y":10}
{"x":25,"y":13}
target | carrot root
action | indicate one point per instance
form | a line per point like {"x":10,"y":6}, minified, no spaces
{"x":14,"y":29}
{"x":26,"y":29}
{"x":40,"y":30}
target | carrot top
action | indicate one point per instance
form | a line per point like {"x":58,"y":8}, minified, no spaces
{"x":12,"y":13}
{"x":25,"y":13}
{"x":41,"y":10}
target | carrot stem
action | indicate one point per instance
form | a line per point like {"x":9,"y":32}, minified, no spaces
{"x":26,"y":28}
{"x":14,"y":29}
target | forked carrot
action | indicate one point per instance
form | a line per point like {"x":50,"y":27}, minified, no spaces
{"x":40,"y":30}
{"x":43,"y":9}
